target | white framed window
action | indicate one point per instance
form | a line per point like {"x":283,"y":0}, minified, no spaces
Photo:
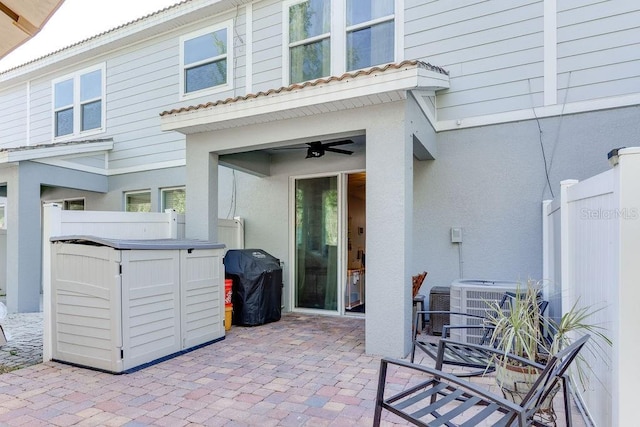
{"x":206,"y":60}
{"x":78,"y":103}
{"x":324,"y":37}
{"x":370,"y":33}
{"x":173,"y":198}
{"x":3,"y":223}
{"x":137,"y":201}
{"x":73,"y":205}
{"x":69,"y":204}
{"x":309,"y":39}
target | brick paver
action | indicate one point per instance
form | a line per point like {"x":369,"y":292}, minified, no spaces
{"x":304,"y":370}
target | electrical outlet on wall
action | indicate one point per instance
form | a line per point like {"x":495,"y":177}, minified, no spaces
{"x":456,"y":235}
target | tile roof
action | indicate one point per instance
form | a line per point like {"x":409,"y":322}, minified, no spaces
{"x":322,"y":81}
{"x":51,"y":145}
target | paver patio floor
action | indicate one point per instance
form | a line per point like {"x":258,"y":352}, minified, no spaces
{"x":303,"y":370}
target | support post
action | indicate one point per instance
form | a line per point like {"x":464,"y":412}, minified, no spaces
{"x":389,"y":217}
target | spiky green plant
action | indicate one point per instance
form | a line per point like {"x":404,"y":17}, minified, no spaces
{"x":522,"y":330}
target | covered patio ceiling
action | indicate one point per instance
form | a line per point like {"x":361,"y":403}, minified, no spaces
{"x":20,"y":20}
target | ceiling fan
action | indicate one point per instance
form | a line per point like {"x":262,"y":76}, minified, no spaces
{"x":318,"y":148}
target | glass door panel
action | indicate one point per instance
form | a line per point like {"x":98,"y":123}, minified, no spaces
{"x":316,"y":241}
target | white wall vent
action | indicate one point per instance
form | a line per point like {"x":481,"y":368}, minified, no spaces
{"x":473,"y":296}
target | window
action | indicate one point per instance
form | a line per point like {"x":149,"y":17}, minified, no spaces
{"x":3,"y":223}
{"x":69,"y":204}
{"x":173,"y":198}
{"x":77,"y":102}
{"x":326,"y":37}
{"x":73,"y":205}
{"x":370,"y":33}
{"x":139,"y":201}
{"x":206,"y":59}
{"x":309,"y":40}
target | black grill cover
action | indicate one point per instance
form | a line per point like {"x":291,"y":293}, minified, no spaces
{"x":257,"y":286}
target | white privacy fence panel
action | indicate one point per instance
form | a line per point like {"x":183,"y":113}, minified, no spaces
{"x":591,"y":249}
{"x":3,"y":261}
{"x":115,"y":225}
{"x":231,"y":232}
{"x":592,"y":275}
{"x":551,"y":260}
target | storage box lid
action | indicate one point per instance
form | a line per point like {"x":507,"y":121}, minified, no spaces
{"x":153,"y":244}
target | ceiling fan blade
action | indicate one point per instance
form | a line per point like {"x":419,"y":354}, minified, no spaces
{"x":333,"y":144}
{"x":337,"y":150}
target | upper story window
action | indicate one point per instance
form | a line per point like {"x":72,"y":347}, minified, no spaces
{"x":78,"y":105}
{"x":206,"y":59}
{"x":309,"y":40}
{"x":370,"y":33}
{"x":325,"y":37}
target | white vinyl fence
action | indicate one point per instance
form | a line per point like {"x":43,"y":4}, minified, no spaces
{"x":3,"y":261}
{"x":115,"y":225}
{"x":591,"y":256}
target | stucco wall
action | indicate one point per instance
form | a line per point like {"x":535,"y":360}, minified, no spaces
{"x":264,"y":202}
{"x":153,"y":181}
{"x":488,"y":180}
{"x":491,"y":182}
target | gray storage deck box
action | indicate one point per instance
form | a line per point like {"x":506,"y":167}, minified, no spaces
{"x":120,"y":304}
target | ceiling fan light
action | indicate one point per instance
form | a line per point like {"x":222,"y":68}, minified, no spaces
{"x":314,"y":152}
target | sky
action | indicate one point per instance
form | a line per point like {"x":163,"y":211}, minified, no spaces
{"x":77,"y":20}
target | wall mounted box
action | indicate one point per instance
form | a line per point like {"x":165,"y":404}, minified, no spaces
{"x":121,"y":304}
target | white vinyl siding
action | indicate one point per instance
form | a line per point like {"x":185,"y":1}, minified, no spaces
{"x":493,"y":51}
{"x":78,"y":103}
{"x":206,"y":60}
{"x":13,"y":120}
{"x":598,"y":49}
{"x":141,"y":82}
{"x":267,"y":45}
{"x":41,"y":114}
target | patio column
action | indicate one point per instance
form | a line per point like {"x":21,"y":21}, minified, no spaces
{"x":202,"y":193}
{"x":389,"y":167}
{"x":23,"y":242}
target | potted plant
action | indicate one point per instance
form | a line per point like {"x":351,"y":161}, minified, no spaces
{"x":521,"y":329}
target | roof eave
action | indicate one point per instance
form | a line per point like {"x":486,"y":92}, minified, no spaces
{"x":334,"y":93}
{"x":20,"y":155}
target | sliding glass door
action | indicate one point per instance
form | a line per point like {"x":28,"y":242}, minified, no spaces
{"x":316,"y":243}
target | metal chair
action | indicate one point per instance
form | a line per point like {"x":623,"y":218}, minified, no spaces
{"x":457,"y":357}
{"x":444,"y":399}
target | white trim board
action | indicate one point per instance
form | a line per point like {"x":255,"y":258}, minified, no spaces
{"x":540,"y":112}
